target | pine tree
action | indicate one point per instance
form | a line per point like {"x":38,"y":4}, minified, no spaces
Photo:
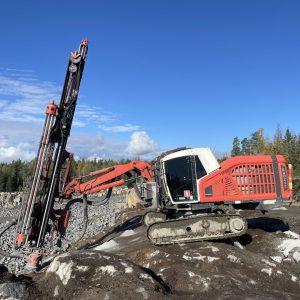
{"x":258,"y":142}
{"x":236,"y":148}
{"x":246,"y":147}
{"x":278,"y":142}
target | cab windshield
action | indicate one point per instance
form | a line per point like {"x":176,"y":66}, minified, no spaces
{"x":181,"y":176}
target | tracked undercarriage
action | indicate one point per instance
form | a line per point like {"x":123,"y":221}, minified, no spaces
{"x":194,"y":228}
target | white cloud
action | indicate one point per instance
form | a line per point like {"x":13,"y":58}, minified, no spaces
{"x":121,"y":128}
{"x":94,"y":114}
{"x":23,"y":99}
{"x":22,"y":151}
{"x":141,"y":144}
{"x":24,"y":71}
{"x":18,"y":140}
{"x":21,"y":141}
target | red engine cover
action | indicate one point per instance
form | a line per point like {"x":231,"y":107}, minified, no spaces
{"x":246,"y":178}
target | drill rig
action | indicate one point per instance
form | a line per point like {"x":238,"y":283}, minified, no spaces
{"x":187,"y":195}
{"x":38,"y":199}
{"x":191,"y":197}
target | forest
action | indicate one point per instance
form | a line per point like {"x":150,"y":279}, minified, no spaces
{"x":13,"y":175}
{"x":287,"y":143}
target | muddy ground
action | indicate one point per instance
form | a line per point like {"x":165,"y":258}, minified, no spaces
{"x":120,"y":263}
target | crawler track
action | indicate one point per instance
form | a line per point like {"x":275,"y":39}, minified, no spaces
{"x":199,"y":228}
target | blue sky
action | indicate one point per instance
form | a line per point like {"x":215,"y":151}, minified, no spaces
{"x":159,"y":74}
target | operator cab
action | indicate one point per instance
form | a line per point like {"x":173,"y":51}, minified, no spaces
{"x":182,"y":171}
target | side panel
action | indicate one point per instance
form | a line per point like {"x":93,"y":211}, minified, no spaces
{"x":247,"y":178}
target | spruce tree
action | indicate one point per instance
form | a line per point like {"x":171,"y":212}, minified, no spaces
{"x":246,"y":147}
{"x":236,"y":148}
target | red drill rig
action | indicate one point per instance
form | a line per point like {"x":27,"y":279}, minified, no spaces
{"x":191,"y":197}
{"x":188,"y":194}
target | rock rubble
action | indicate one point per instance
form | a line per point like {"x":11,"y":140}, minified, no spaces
{"x":98,"y":218}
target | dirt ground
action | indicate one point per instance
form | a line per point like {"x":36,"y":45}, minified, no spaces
{"x":120,"y":263}
{"x":268,"y":266}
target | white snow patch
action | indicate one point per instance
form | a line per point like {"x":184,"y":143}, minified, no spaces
{"x":197,"y":279}
{"x":145,"y":276}
{"x":106,"y":257}
{"x":233,"y":258}
{"x":251,"y":281}
{"x":156,"y":252}
{"x":162,"y":269}
{"x":279,"y":208}
{"x":267,"y":270}
{"x":109,"y":269}
{"x":294,"y":278}
{"x":288,"y":245}
{"x":143,"y":292}
{"x":128,"y":269}
{"x":277,"y":259}
{"x":63,"y":270}
{"x":198,"y":256}
{"x":296,"y":256}
{"x":279,"y":272}
{"x":128,"y":233}
{"x":268,"y":263}
{"x":213,"y":248}
{"x":108,"y":246}
{"x":82,"y":268}
{"x":56,"y":291}
{"x":106,"y":297}
{"x":292,"y":234}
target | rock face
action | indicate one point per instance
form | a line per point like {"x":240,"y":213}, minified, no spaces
{"x":96,"y":275}
{"x":10,"y":200}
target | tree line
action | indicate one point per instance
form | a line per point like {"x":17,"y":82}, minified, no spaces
{"x":14,"y":175}
{"x":286,"y":143}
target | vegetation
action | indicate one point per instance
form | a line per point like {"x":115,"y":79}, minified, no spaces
{"x":14,"y":174}
{"x":287,"y":144}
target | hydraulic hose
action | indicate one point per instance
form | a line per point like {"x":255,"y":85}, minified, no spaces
{"x":95,"y":202}
{"x":85,"y":203}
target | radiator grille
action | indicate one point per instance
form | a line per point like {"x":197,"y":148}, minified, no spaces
{"x":254,"y":179}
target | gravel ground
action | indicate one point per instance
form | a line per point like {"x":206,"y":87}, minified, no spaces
{"x":98,"y":218}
